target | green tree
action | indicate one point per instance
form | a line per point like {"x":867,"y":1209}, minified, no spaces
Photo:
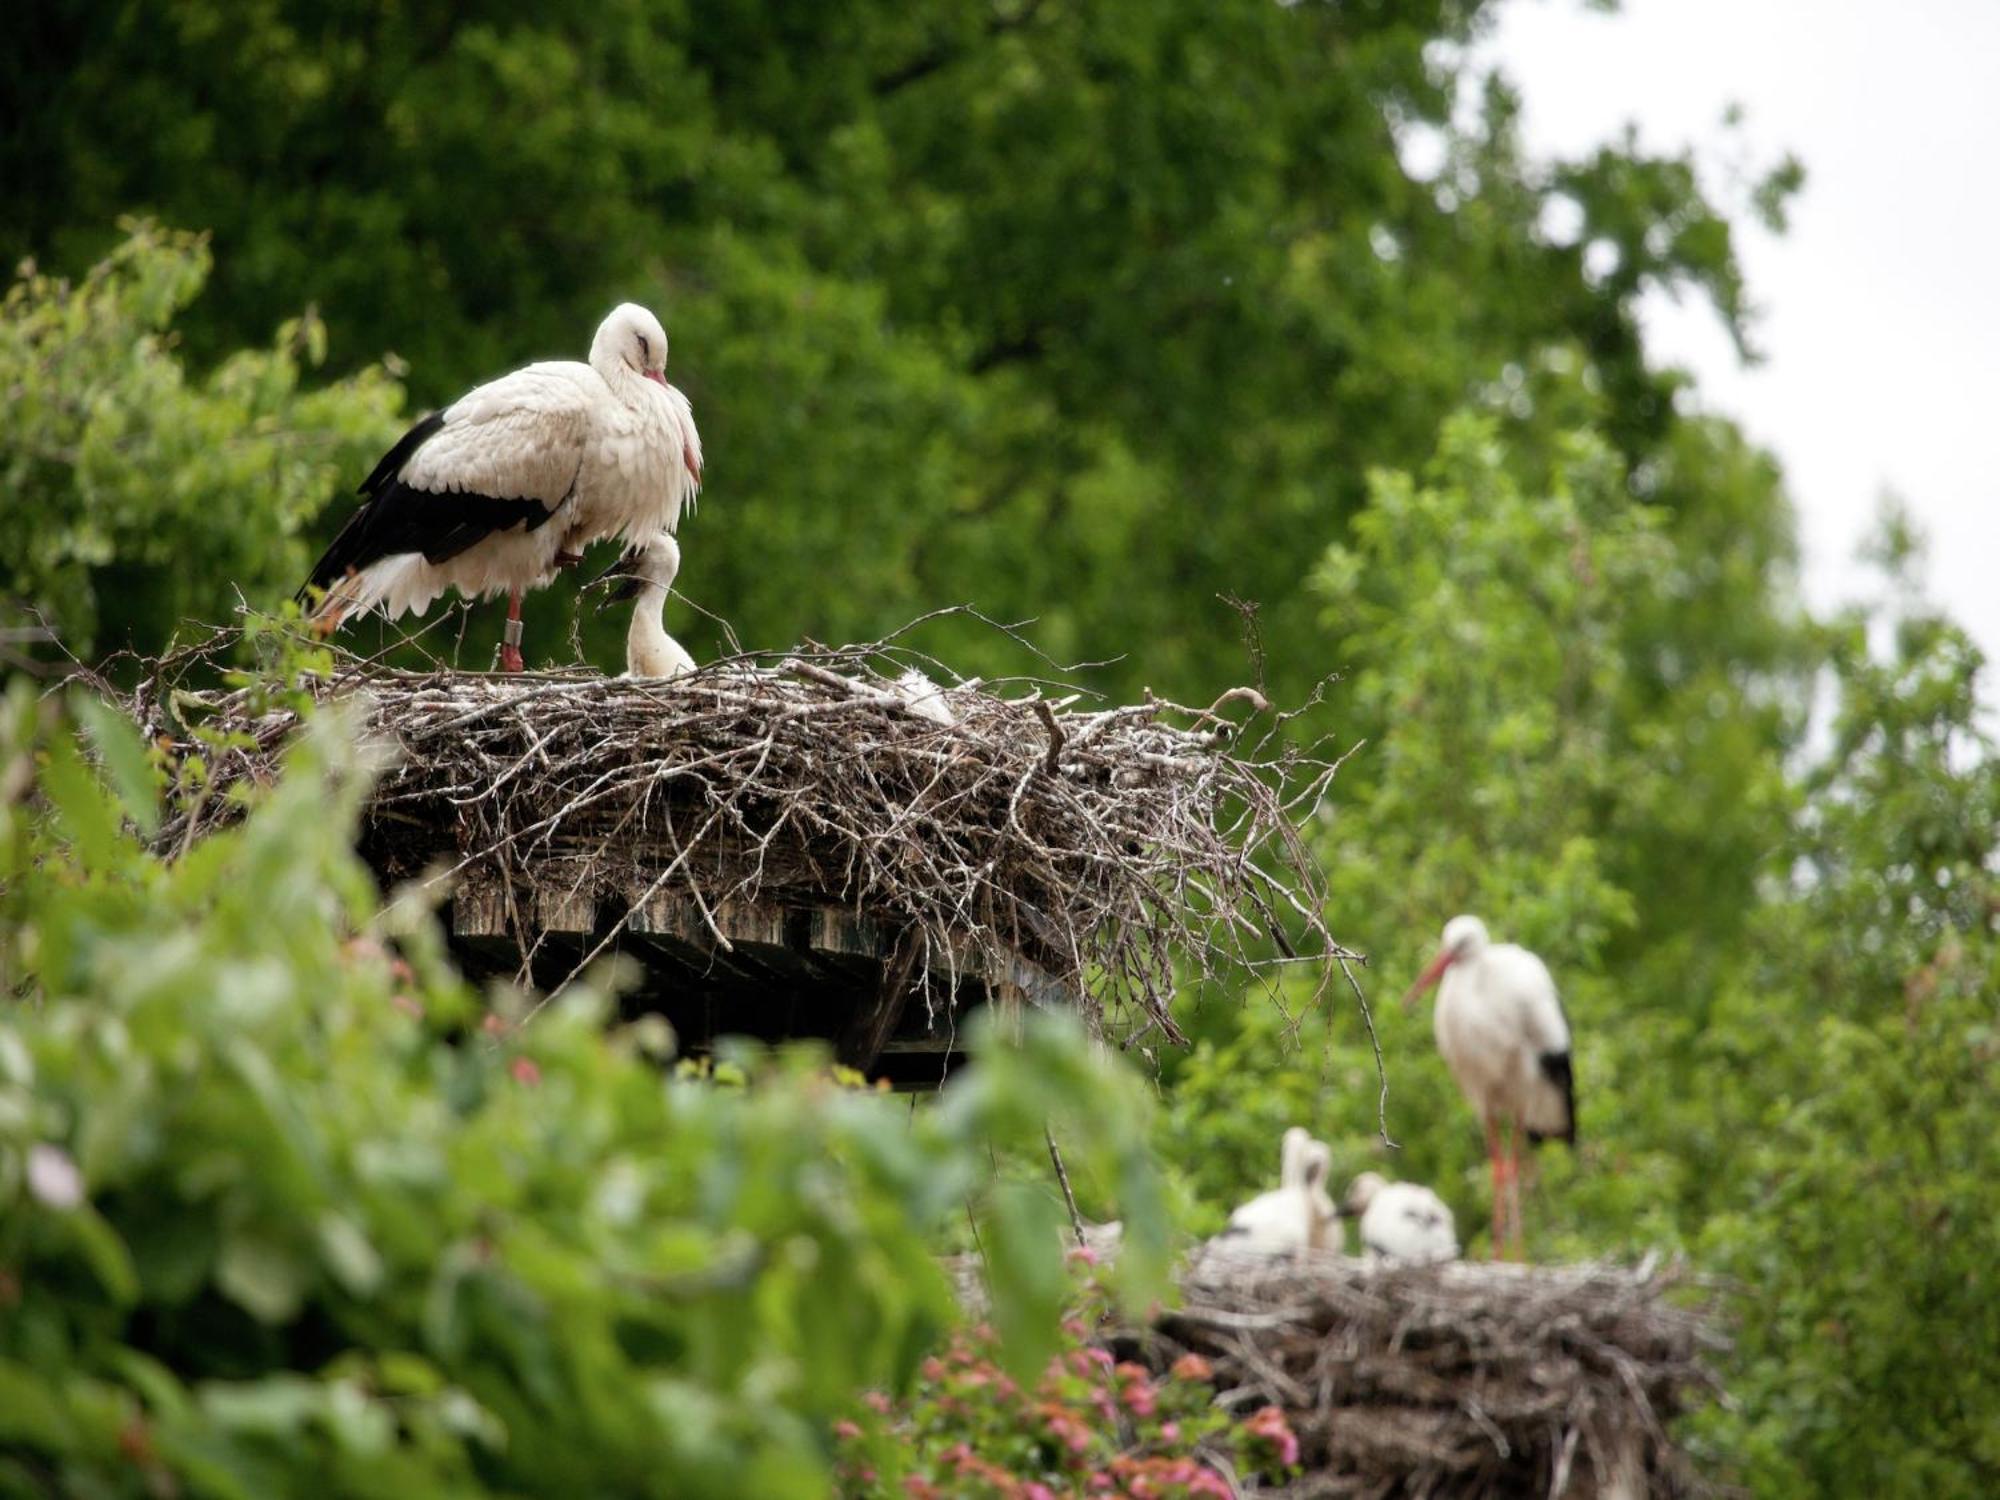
{"x":138,"y":495}
{"x":1080,"y":312}
{"x":1854,"y":1062}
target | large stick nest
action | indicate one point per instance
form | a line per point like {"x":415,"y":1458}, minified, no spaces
{"x":1124,"y":850}
{"x":1463,"y":1379}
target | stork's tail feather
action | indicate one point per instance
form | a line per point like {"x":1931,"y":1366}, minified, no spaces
{"x":1558,"y":1073}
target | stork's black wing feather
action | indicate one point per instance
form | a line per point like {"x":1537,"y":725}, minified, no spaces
{"x":396,"y":518}
{"x":1556,"y":1068}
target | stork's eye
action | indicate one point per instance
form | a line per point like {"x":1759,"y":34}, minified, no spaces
{"x":645,"y":349}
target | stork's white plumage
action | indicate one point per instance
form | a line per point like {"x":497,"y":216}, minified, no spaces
{"x":1503,"y":1034}
{"x":1401,"y":1220}
{"x":648,"y":574}
{"x":1296,"y":1215}
{"x":517,"y":477}
{"x":923,"y":697}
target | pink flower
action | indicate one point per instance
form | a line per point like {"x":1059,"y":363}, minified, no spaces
{"x":1208,"y":1482}
{"x":1268,"y":1423}
{"x":1192,"y":1367}
{"x":876,"y":1402}
{"x":1036,"y":1490}
{"x":846,"y":1430}
{"x":525,"y":1072}
{"x":1170,"y":1432}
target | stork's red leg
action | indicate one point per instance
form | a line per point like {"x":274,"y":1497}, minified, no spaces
{"x":1517,"y":1232}
{"x":510,"y":641}
{"x":1494,"y":1164}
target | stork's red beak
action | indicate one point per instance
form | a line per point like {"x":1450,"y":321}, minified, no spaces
{"x":1432,"y":973}
{"x":658,"y":377}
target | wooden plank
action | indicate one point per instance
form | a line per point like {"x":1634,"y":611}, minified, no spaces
{"x":836,"y":932}
{"x":750,"y":923}
{"x":559,"y":909}
{"x":479,"y":908}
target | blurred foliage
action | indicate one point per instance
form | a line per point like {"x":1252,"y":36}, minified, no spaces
{"x":283,"y":1211}
{"x":139,"y":495}
{"x":1080,"y":312}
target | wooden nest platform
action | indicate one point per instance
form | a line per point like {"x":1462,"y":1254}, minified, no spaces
{"x":788,"y":847}
{"x":1465,"y":1379}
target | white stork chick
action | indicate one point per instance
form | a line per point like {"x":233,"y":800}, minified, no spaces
{"x":645,"y":576}
{"x":1296,"y":1215}
{"x":1503,"y":1034}
{"x":515,"y":478}
{"x":1401,"y":1221}
{"x":923,"y":697}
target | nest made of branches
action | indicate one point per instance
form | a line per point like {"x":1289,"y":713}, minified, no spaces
{"x":1124,"y":849}
{"x":1455,"y":1380}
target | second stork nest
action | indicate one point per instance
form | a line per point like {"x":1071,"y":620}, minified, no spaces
{"x":1106,"y":845}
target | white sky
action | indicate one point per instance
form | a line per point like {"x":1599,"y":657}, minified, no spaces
{"x":1881,"y":306}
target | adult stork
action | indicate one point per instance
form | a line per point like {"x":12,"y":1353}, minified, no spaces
{"x":1504,"y":1036}
{"x":1401,"y":1221}
{"x":516,"y":478}
{"x":644,"y":577}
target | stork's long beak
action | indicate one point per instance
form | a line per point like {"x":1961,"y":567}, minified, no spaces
{"x":617,"y":582}
{"x":658,"y":377}
{"x":1433,"y":972}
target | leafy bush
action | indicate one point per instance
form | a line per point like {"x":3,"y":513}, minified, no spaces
{"x":283,"y":1211}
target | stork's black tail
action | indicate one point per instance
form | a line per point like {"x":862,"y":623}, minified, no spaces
{"x":1557,"y":1070}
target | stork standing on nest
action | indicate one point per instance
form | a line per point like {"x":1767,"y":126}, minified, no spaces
{"x":516,"y":478}
{"x":1504,"y":1036}
{"x":1296,"y":1215}
{"x":1400,"y":1220}
{"x":644,"y":577}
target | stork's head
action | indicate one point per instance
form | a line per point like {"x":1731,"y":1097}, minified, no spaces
{"x":631,"y":340}
{"x":1360,"y":1193}
{"x":1464,"y":938}
{"x":654,"y":565}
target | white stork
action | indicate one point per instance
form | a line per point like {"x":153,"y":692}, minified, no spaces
{"x":644,"y":577}
{"x":1400,"y":1220}
{"x":516,"y":478}
{"x":1504,"y":1036}
{"x":923,"y":697}
{"x":1297,"y":1214}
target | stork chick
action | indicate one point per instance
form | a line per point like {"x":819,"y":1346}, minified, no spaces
{"x":645,"y":576}
{"x":1298,"y":1214}
{"x":1400,"y":1220}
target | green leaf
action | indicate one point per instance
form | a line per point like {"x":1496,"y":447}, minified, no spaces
{"x":30,"y":1413}
{"x":346,"y":1252}
{"x":1020,"y":1237}
{"x":132,"y":774}
{"x":264,"y":1279}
